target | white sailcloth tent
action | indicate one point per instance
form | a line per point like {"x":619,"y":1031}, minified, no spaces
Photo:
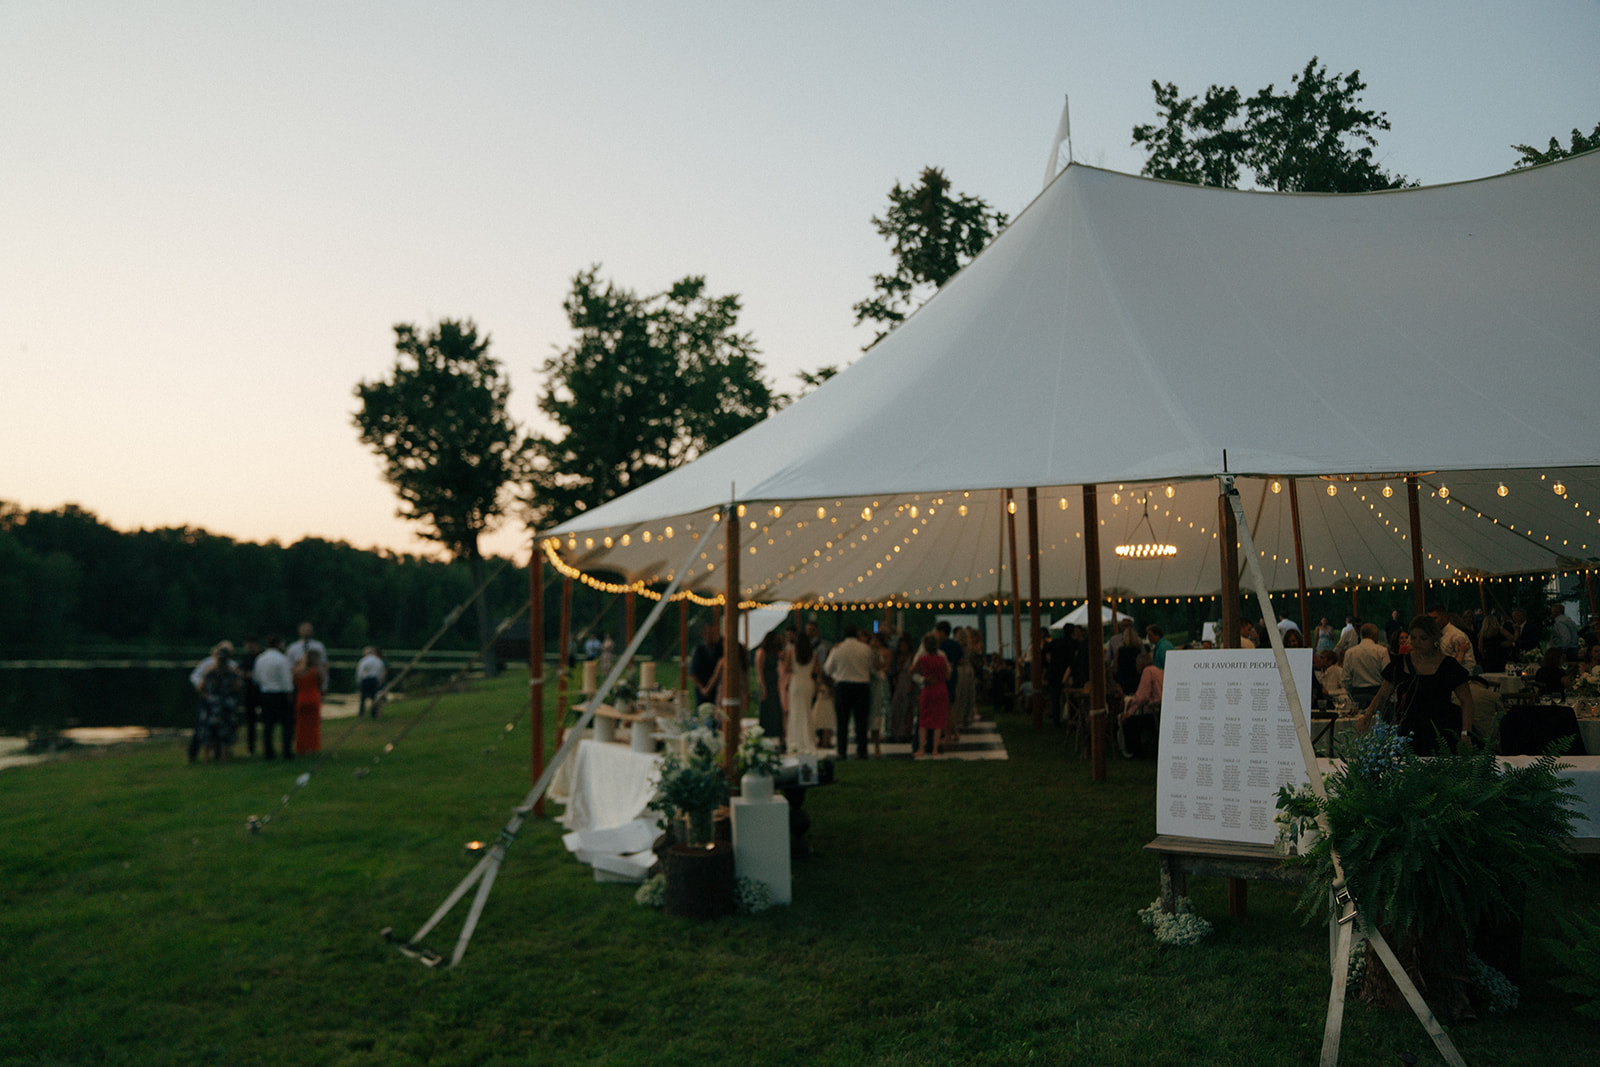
{"x":1143,"y":337}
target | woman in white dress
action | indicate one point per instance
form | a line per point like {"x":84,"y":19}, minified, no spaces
{"x":797,"y":731}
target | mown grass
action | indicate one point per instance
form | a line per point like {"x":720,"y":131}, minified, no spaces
{"x":971,"y":913}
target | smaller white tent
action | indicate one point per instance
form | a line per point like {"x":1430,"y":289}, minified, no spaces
{"x":1079,"y":616}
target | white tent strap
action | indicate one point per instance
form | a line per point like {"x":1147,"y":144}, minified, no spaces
{"x":1330,"y":1047}
{"x":489,"y":866}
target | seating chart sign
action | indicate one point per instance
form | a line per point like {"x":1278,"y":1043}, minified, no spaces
{"x":1227,"y":743}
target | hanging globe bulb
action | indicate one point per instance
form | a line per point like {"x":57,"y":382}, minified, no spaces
{"x":1444,"y":492}
{"x":1501,"y":490}
{"x":1560,"y":489}
{"x":1333,"y":490}
{"x":1388,"y":490}
{"x":1277,"y":486}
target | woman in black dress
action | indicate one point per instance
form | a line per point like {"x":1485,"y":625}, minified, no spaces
{"x":1424,"y":681}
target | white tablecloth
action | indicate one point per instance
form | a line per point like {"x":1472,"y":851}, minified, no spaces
{"x":609,"y":785}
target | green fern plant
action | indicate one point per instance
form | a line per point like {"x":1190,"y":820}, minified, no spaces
{"x":1449,"y":841}
{"x":1578,"y":949}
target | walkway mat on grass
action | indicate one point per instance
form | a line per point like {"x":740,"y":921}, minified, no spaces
{"x":981,"y":740}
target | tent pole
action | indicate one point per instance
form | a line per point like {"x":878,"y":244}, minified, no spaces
{"x":1010,"y":513}
{"x":1033,"y":596}
{"x":1419,"y":590}
{"x":561,"y":658}
{"x":627,"y":600}
{"x":732,"y":661}
{"x":683,"y":652}
{"x":1228,"y":536}
{"x":536,"y":668}
{"x":1096,"y":628}
{"x":1299,"y":561}
{"x":1588,"y":580}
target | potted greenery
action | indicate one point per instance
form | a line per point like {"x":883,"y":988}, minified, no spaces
{"x":699,"y":880}
{"x":1435,"y":851}
{"x":758,"y":765}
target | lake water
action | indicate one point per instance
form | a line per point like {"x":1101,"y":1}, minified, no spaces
{"x":47,"y":696}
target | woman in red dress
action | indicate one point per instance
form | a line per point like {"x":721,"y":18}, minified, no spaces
{"x":930,"y":670}
{"x":308,"y":702}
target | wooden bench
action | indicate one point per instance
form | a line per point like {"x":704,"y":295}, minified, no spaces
{"x":1238,"y":863}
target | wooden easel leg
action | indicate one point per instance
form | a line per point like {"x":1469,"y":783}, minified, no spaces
{"x":1238,"y":893}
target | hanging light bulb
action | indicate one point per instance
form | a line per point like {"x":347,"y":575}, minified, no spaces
{"x":866,"y":513}
{"x":1501,"y":490}
{"x":962,"y":511}
{"x":1170,"y":492}
{"x":1388,"y":490}
{"x":1011,"y":506}
{"x":1333,"y":490}
{"x":1063,"y":503}
{"x":1444,"y":492}
{"x":1277,"y":486}
{"x":1560,"y":489}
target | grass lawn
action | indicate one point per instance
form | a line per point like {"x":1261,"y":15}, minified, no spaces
{"x":955,"y":913}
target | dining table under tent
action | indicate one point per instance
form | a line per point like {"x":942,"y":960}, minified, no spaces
{"x":1375,"y":389}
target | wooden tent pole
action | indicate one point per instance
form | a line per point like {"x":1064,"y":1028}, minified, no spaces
{"x":1228,"y":538}
{"x":1036,"y":631}
{"x":561,"y":658}
{"x":732,"y":662}
{"x":627,"y":600}
{"x":683,"y":652}
{"x":536,"y":669}
{"x":1300,"y":563}
{"x":1096,"y":635}
{"x":1419,"y":589}
{"x":1010,"y":512}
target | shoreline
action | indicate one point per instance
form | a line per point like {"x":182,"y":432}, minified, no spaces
{"x":87,"y":739}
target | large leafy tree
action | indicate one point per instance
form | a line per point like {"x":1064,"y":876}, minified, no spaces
{"x":648,"y":384}
{"x":448,"y":446}
{"x":1532,"y":156}
{"x":933,"y":233}
{"x":1313,"y":138}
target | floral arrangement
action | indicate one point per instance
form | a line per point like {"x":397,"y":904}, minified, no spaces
{"x":757,"y":754}
{"x":1296,"y":817}
{"x":693,"y":787}
{"x":653,"y":893}
{"x":1586,"y":683}
{"x":1180,"y":927}
{"x":626,"y":690}
{"x":751,"y":897}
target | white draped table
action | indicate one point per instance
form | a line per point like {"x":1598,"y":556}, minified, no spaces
{"x":609,"y":785}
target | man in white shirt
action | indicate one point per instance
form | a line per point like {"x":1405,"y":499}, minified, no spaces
{"x":297,"y":651}
{"x":849,"y":664}
{"x":1363,"y":668}
{"x":370,"y":673}
{"x":1563,"y":631}
{"x":274,"y":674}
{"x":1453,"y":642}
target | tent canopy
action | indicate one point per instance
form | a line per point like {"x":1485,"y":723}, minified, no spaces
{"x":1140,"y":335}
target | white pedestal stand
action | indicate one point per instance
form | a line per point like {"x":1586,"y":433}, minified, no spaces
{"x":761,"y":843}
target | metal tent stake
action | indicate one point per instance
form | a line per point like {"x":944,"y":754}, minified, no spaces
{"x":483,"y":874}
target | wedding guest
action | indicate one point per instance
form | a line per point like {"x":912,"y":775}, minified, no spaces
{"x":768,"y":653}
{"x":799,"y":736}
{"x":878,"y":715}
{"x":930,"y":671}
{"x":1423,"y":681}
{"x":250,"y":699}
{"x":216,"y":726}
{"x":275,"y":675}
{"x":1495,"y":645}
{"x":903,"y":700}
{"x":849,"y":666}
{"x":305,"y":643}
{"x":310,"y":675}
{"x":370,"y":673}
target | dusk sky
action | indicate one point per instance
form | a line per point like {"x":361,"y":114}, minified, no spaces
{"x":214,"y":213}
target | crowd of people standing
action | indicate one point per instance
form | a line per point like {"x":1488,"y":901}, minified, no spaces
{"x":275,"y":693}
